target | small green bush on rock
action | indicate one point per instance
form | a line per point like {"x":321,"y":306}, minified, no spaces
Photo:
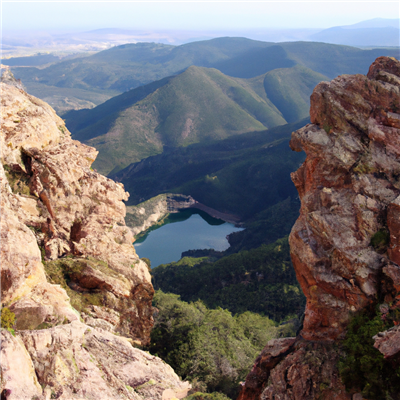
{"x":363,"y":368}
{"x":380,"y":241}
{"x":7,"y":318}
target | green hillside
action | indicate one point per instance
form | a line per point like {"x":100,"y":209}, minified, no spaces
{"x":126,"y":67}
{"x":290,"y":89}
{"x":242,"y":175}
{"x":200,"y":104}
{"x":334,"y":60}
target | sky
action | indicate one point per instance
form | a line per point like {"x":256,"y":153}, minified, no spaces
{"x":188,"y":15}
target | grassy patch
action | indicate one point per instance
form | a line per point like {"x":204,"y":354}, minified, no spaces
{"x":63,"y":271}
{"x":18,"y":181}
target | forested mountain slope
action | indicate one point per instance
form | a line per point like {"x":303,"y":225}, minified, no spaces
{"x":88,"y":80}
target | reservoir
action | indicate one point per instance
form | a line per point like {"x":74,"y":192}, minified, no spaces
{"x":186,"y":230}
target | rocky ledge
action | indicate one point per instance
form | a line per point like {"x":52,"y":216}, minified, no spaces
{"x":69,"y":272}
{"x":345,"y":246}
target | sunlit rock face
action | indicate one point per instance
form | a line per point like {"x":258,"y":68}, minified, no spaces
{"x":349,"y":187}
{"x":67,"y":262}
{"x":345,"y":245}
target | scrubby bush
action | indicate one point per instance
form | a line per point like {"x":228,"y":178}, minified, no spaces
{"x":210,"y":347}
{"x":7,"y":318}
{"x":363,"y":368}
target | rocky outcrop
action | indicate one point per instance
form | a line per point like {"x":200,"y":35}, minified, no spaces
{"x":67,"y":257}
{"x":153,"y":211}
{"x":344,"y":245}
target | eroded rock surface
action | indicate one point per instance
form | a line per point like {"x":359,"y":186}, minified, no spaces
{"x":153,"y":211}
{"x":345,"y":244}
{"x":67,"y":256}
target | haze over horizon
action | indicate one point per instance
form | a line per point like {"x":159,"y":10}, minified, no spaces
{"x":188,"y":15}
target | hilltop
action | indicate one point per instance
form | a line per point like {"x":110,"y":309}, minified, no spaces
{"x":90,"y":80}
{"x":198,"y":105}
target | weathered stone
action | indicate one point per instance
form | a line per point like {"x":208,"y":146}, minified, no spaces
{"x":51,"y":198}
{"x":388,"y":342}
{"x":294,"y":369}
{"x":345,"y":243}
{"x":78,"y":361}
{"x":17,"y":371}
{"x":346,"y":185}
{"x":72,"y":210}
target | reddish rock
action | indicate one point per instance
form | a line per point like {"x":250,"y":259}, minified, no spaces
{"x":295,"y":369}
{"x":349,"y":187}
{"x":388,"y":342}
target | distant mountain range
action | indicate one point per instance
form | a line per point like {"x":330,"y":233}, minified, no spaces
{"x":374,"y":32}
{"x":89,"y":81}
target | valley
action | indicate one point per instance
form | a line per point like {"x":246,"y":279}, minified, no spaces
{"x":213,"y":126}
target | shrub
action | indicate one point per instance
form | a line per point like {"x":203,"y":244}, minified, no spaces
{"x":363,"y":368}
{"x":380,"y":241}
{"x":212,"y":348}
{"x":7,"y":318}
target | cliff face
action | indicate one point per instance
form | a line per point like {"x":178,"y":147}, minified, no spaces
{"x":345,"y":244}
{"x":69,"y":272}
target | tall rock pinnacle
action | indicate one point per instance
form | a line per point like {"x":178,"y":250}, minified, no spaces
{"x":345,"y":245}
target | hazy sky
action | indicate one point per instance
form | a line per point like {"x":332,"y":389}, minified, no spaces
{"x":189,"y":15}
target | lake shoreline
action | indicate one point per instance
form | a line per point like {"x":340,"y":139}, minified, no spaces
{"x":230,"y":218}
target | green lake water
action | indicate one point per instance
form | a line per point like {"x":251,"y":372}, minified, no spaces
{"x":186,"y":230}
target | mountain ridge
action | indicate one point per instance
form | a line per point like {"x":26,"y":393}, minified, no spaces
{"x":198,"y":105}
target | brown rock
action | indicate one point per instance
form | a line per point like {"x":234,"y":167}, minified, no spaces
{"x":17,"y":372}
{"x":388,"y":342}
{"x":346,"y":184}
{"x":292,"y":369}
{"x":77,"y":361}
{"x":51,"y":198}
{"x":349,"y":190}
{"x":72,"y":209}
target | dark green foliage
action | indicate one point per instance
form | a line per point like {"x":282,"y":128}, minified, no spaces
{"x":364,"y":368}
{"x":380,"y":241}
{"x":208,"y":346}
{"x":260,"y":280}
{"x":242,"y":175}
{"x":7,"y":319}
{"x":266,"y":226}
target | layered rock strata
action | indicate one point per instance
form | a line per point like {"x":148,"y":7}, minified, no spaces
{"x":345,"y":244}
{"x":69,"y":271}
